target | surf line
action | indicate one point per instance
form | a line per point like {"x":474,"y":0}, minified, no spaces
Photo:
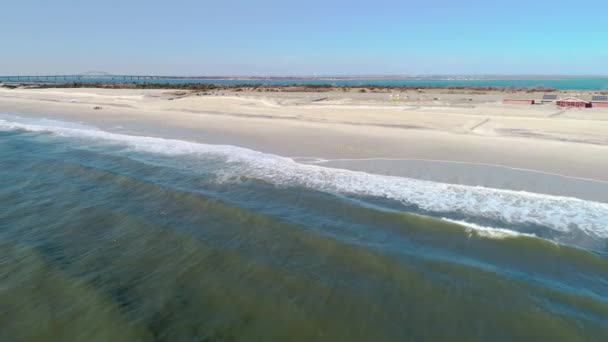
{"x":317,"y":161}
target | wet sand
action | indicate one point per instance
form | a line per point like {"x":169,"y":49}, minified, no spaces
{"x":489,"y":176}
{"x":460,"y":138}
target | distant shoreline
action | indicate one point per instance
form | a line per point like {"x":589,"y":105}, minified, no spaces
{"x":437,"y":77}
{"x":272,"y":87}
{"x":319,"y":88}
{"x":513,"y":83}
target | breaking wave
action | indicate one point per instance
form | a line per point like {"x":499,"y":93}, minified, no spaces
{"x":487,"y":232}
{"x":512,"y":208}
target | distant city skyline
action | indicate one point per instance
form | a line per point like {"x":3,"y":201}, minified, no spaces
{"x":324,"y":38}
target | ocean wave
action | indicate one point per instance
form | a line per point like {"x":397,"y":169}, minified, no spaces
{"x":562,"y":214}
{"x":487,"y":232}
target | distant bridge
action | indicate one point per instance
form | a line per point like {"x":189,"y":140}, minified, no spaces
{"x":86,"y":77}
{"x":104,"y":77}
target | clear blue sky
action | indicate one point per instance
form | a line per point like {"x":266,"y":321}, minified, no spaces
{"x":270,"y":37}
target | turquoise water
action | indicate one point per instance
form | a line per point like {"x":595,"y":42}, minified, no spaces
{"x":107,"y":236}
{"x":574,"y":83}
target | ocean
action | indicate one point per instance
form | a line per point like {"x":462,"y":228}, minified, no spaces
{"x":114,"y":237}
{"x":559,"y":83}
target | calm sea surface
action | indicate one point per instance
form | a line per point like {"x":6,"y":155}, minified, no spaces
{"x":110,"y":237}
{"x":583,"y":83}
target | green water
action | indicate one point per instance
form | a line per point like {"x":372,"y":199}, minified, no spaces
{"x":100,"y":242}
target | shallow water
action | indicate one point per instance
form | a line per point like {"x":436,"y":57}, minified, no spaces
{"x":114,"y":237}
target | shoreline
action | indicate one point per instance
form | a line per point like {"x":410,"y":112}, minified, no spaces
{"x":306,"y":84}
{"x":250,"y":85}
{"x":482,"y":175}
{"x":434,"y":144}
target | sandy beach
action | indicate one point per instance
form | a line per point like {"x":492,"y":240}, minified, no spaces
{"x":459,"y":137}
{"x":303,"y":171}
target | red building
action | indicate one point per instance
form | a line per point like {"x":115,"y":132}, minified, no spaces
{"x":573,"y":102}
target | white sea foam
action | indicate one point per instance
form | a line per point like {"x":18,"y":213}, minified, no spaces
{"x":8,"y":121}
{"x":488,"y":232}
{"x":562,"y":214}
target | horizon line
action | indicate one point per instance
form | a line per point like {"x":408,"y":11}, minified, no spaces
{"x":380,"y":75}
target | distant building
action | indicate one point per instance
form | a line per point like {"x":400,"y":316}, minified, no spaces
{"x":599,"y":101}
{"x":549,"y":98}
{"x":573,"y":102}
{"x":518,"y":101}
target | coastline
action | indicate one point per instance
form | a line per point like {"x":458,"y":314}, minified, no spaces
{"x":453,"y":140}
{"x":506,"y":83}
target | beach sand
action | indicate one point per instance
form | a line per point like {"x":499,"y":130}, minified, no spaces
{"x":460,"y":137}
